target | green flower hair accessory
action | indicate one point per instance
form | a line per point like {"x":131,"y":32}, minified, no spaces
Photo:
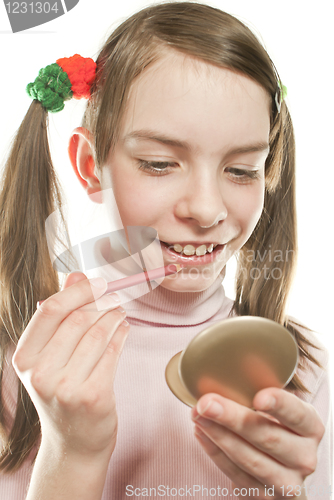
{"x":52,"y":87}
{"x":284,"y":91}
{"x":280,"y":95}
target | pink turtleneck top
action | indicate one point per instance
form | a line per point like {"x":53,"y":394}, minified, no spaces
{"x":157,"y":455}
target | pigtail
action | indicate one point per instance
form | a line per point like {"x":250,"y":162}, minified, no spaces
{"x":267,"y":262}
{"x":30,"y":193}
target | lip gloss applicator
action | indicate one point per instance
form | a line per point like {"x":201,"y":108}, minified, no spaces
{"x":136,"y":279}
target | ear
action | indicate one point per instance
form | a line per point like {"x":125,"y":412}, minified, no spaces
{"x":81,"y":153}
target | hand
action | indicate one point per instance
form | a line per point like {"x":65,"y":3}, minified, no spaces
{"x":274,"y":446}
{"x":66,"y":358}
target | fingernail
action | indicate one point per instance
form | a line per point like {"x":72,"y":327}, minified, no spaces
{"x":214,"y":410}
{"x":269,"y":404}
{"x":125,"y":323}
{"x":120,"y":309}
{"x":272,"y":403}
{"x":203,"y":422}
{"x":115,"y":297}
{"x":98,"y":282}
{"x":200,"y":435}
{"x":106,"y":302}
{"x":112,"y":300}
{"x":198,"y":431}
{"x":196,"y":416}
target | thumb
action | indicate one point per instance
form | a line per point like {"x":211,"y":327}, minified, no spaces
{"x":73,"y":278}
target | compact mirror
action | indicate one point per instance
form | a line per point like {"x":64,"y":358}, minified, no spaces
{"x":236,"y":358}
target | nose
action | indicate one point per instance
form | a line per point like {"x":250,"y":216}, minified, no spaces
{"x":202,"y":200}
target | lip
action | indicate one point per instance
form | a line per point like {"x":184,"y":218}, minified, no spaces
{"x":174,"y":257}
{"x":194,"y":243}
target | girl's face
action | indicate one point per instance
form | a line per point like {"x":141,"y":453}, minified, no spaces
{"x":190,"y":163}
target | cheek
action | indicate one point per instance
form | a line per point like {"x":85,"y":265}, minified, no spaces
{"x":248,"y":206}
{"x":138,"y":203}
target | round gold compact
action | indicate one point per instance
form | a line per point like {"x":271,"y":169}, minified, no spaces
{"x":236,"y":358}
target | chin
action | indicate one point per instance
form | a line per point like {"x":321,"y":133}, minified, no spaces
{"x":188,"y":283}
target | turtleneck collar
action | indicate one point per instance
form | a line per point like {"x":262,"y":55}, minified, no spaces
{"x":167,"y":307}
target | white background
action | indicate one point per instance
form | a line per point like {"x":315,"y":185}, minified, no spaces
{"x":298,"y":36}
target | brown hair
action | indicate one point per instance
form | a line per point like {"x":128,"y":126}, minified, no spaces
{"x":31,"y":192}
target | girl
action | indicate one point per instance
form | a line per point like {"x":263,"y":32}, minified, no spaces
{"x":187,"y":125}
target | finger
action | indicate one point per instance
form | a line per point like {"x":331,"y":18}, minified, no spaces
{"x":70,"y":280}
{"x":60,"y":348}
{"x":51,"y":313}
{"x":73,"y":278}
{"x":248,"y":458}
{"x":92,"y":346}
{"x":290,"y":411}
{"x":230,"y":469}
{"x":104,"y":372}
{"x":259,"y":431}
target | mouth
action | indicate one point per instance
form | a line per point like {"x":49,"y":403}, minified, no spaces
{"x":192,"y":253}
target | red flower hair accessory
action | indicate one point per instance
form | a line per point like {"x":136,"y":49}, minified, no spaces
{"x":81,"y":72}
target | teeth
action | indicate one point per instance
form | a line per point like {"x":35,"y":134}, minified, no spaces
{"x":201,"y":250}
{"x":178,"y":248}
{"x":191,"y":250}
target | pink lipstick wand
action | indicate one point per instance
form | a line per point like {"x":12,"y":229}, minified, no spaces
{"x":136,"y":279}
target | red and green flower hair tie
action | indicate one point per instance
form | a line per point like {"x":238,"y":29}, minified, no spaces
{"x":68,"y":77}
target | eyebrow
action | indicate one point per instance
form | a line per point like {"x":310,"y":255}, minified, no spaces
{"x":149,"y":135}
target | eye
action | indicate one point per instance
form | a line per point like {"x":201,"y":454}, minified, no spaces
{"x":156,"y":167}
{"x":241,"y":175}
